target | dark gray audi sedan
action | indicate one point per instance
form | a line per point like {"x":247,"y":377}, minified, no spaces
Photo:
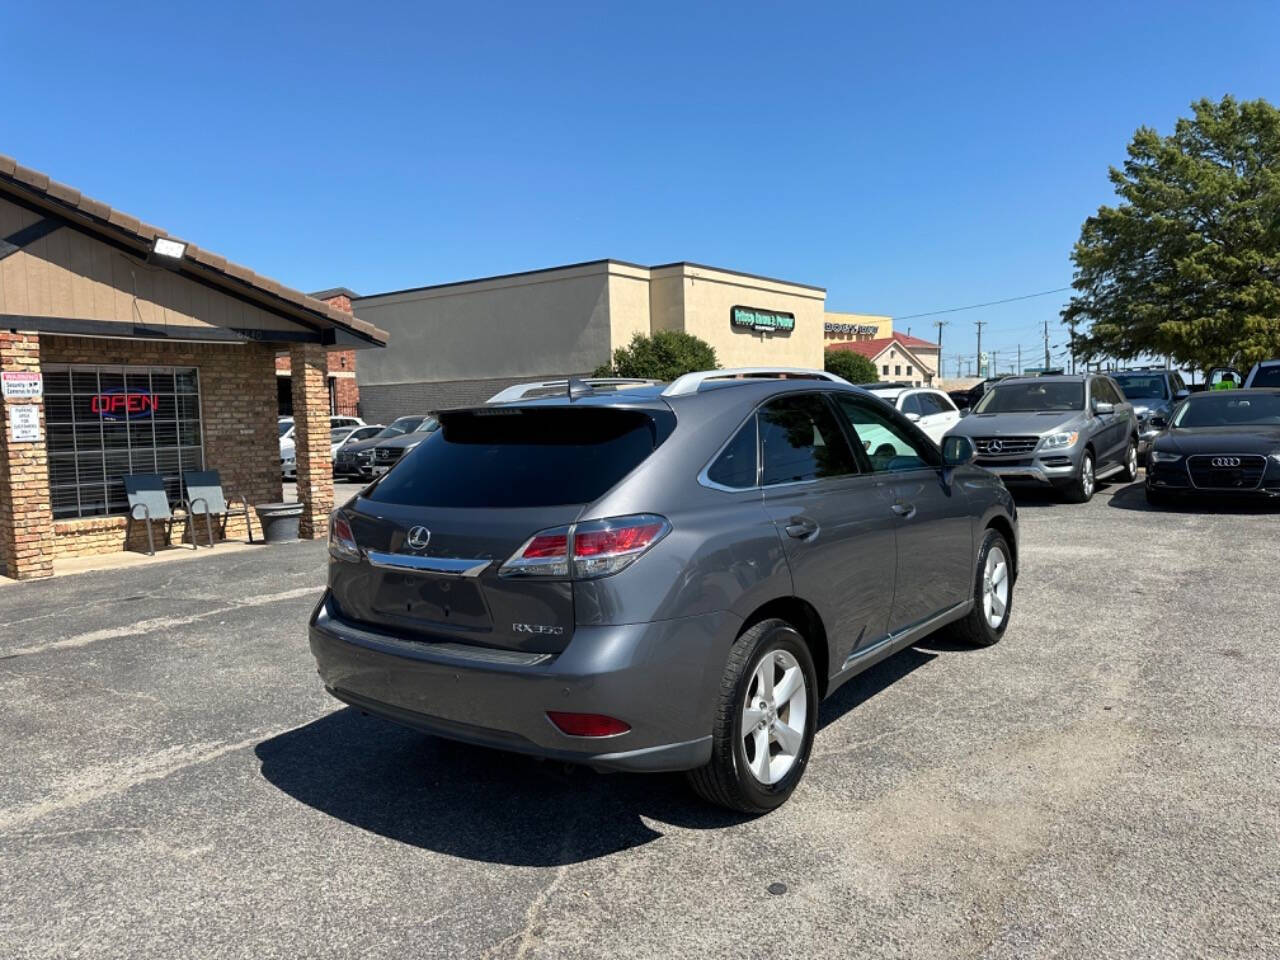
{"x":660,"y":578}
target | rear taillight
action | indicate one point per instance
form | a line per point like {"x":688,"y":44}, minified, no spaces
{"x":342,"y":542}
{"x":584,"y":551}
{"x":587,"y":724}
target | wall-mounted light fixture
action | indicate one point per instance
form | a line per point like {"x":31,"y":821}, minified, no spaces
{"x":168,"y":247}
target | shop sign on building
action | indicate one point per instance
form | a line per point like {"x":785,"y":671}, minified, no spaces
{"x":762,"y":321}
{"x":24,"y":423}
{"x":857,"y":329}
{"x":18,"y":385}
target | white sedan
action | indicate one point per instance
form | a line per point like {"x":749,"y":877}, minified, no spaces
{"x":931,"y":410}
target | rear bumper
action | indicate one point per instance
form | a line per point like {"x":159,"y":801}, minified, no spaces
{"x":661,"y":678}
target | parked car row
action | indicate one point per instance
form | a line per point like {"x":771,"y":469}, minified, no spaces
{"x":288,"y":450}
{"x":1069,"y":432}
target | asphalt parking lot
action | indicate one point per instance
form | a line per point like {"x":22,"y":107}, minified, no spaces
{"x":1103,"y":783}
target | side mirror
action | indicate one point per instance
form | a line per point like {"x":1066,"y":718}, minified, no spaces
{"x":1181,"y":395}
{"x":957,"y":451}
{"x":913,"y":417}
{"x":1101,"y":406}
{"x":965,"y":411}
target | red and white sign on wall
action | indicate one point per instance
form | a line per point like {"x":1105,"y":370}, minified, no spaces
{"x":18,"y":385}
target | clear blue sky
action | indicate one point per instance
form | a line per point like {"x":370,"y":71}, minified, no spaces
{"x":908,"y":157}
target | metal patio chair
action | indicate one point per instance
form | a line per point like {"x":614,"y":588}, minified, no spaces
{"x":205,"y":496}
{"x":149,"y":503}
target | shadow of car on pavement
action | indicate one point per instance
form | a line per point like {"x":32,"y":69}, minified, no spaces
{"x":1133,"y":497}
{"x":497,"y":807}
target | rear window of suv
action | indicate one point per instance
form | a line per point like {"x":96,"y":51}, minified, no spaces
{"x":512,"y":457}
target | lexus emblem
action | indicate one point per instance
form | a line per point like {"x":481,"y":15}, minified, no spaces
{"x":995,"y":446}
{"x":418,"y":538}
{"x":1226,"y":461}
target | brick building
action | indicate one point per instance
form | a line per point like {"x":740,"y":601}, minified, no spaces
{"x":125,"y":351}
{"x":344,"y":390}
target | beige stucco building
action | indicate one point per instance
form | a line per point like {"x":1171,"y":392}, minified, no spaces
{"x":460,"y":343}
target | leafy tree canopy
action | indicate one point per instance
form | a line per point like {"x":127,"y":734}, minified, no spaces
{"x":1188,"y":263}
{"x":854,"y":367}
{"x":665,"y":355}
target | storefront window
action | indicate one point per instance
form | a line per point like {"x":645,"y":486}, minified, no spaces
{"x":107,"y":422}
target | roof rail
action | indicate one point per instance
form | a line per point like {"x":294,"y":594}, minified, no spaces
{"x":522,"y":391}
{"x":691,"y":382}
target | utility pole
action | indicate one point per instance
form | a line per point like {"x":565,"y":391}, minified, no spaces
{"x":993,"y":368}
{"x":1073,"y":345}
{"x":940,"y":324}
{"x":959,"y":365}
{"x":1046,"y":343}
{"x":980,"y":324}
{"x":1019,"y":370}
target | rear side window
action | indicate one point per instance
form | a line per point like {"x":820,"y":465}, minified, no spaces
{"x":521,"y":458}
{"x":911,"y":404}
{"x":800,"y":440}
{"x":1267,"y":376}
{"x":736,"y":465}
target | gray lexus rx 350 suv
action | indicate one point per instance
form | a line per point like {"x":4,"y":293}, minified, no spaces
{"x":1066,"y":432}
{"x":661,"y":578}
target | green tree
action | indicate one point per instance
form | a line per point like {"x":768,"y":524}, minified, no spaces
{"x":854,"y":367}
{"x":665,"y":355}
{"x":1188,"y":263}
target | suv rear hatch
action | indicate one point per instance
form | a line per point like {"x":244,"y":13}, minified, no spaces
{"x":433,"y":533}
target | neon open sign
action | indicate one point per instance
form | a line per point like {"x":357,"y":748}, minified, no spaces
{"x":124,"y":404}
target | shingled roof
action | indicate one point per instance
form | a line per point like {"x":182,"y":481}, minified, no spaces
{"x":97,"y":217}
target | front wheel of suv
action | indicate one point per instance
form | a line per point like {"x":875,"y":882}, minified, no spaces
{"x":1080,"y":490}
{"x":765,"y":719}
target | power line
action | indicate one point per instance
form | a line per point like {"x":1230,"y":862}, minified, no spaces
{"x":990,"y":303}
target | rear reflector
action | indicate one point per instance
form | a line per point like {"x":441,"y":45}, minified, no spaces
{"x":587,"y":724}
{"x":583,"y":551}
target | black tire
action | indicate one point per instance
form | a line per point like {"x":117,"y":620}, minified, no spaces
{"x":975,"y":628}
{"x":1078,"y":491}
{"x":1130,"y":471}
{"x":1159,"y":498}
{"x":726,"y":780}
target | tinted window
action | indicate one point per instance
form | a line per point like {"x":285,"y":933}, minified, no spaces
{"x":1267,"y":376}
{"x":1143,"y":386}
{"x":912,"y":405}
{"x":800,"y":440}
{"x":1105,"y":392}
{"x":521,"y":458}
{"x":736,"y":465}
{"x":1228,"y":409}
{"x":1033,"y":396}
{"x":932,"y":403}
{"x":888,"y":445}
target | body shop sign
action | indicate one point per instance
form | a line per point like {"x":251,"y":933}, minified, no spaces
{"x":124,"y":404}
{"x":761,"y":321}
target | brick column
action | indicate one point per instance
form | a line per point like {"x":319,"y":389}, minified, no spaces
{"x":309,"y":368}
{"x":26,"y":518}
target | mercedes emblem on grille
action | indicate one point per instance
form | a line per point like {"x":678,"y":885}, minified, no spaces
{"x":418,"y":538}
{"x":995,"y":446}
{"x":1226,"y":461}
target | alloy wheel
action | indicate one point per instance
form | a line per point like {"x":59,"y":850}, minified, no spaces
{"x":774,"y":713}
{"x":995,"y":587}
{"x":1086,"y":476}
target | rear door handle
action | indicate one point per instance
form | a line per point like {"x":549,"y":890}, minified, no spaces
{"x":904,"y":510}
{"x":801,"y":527}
